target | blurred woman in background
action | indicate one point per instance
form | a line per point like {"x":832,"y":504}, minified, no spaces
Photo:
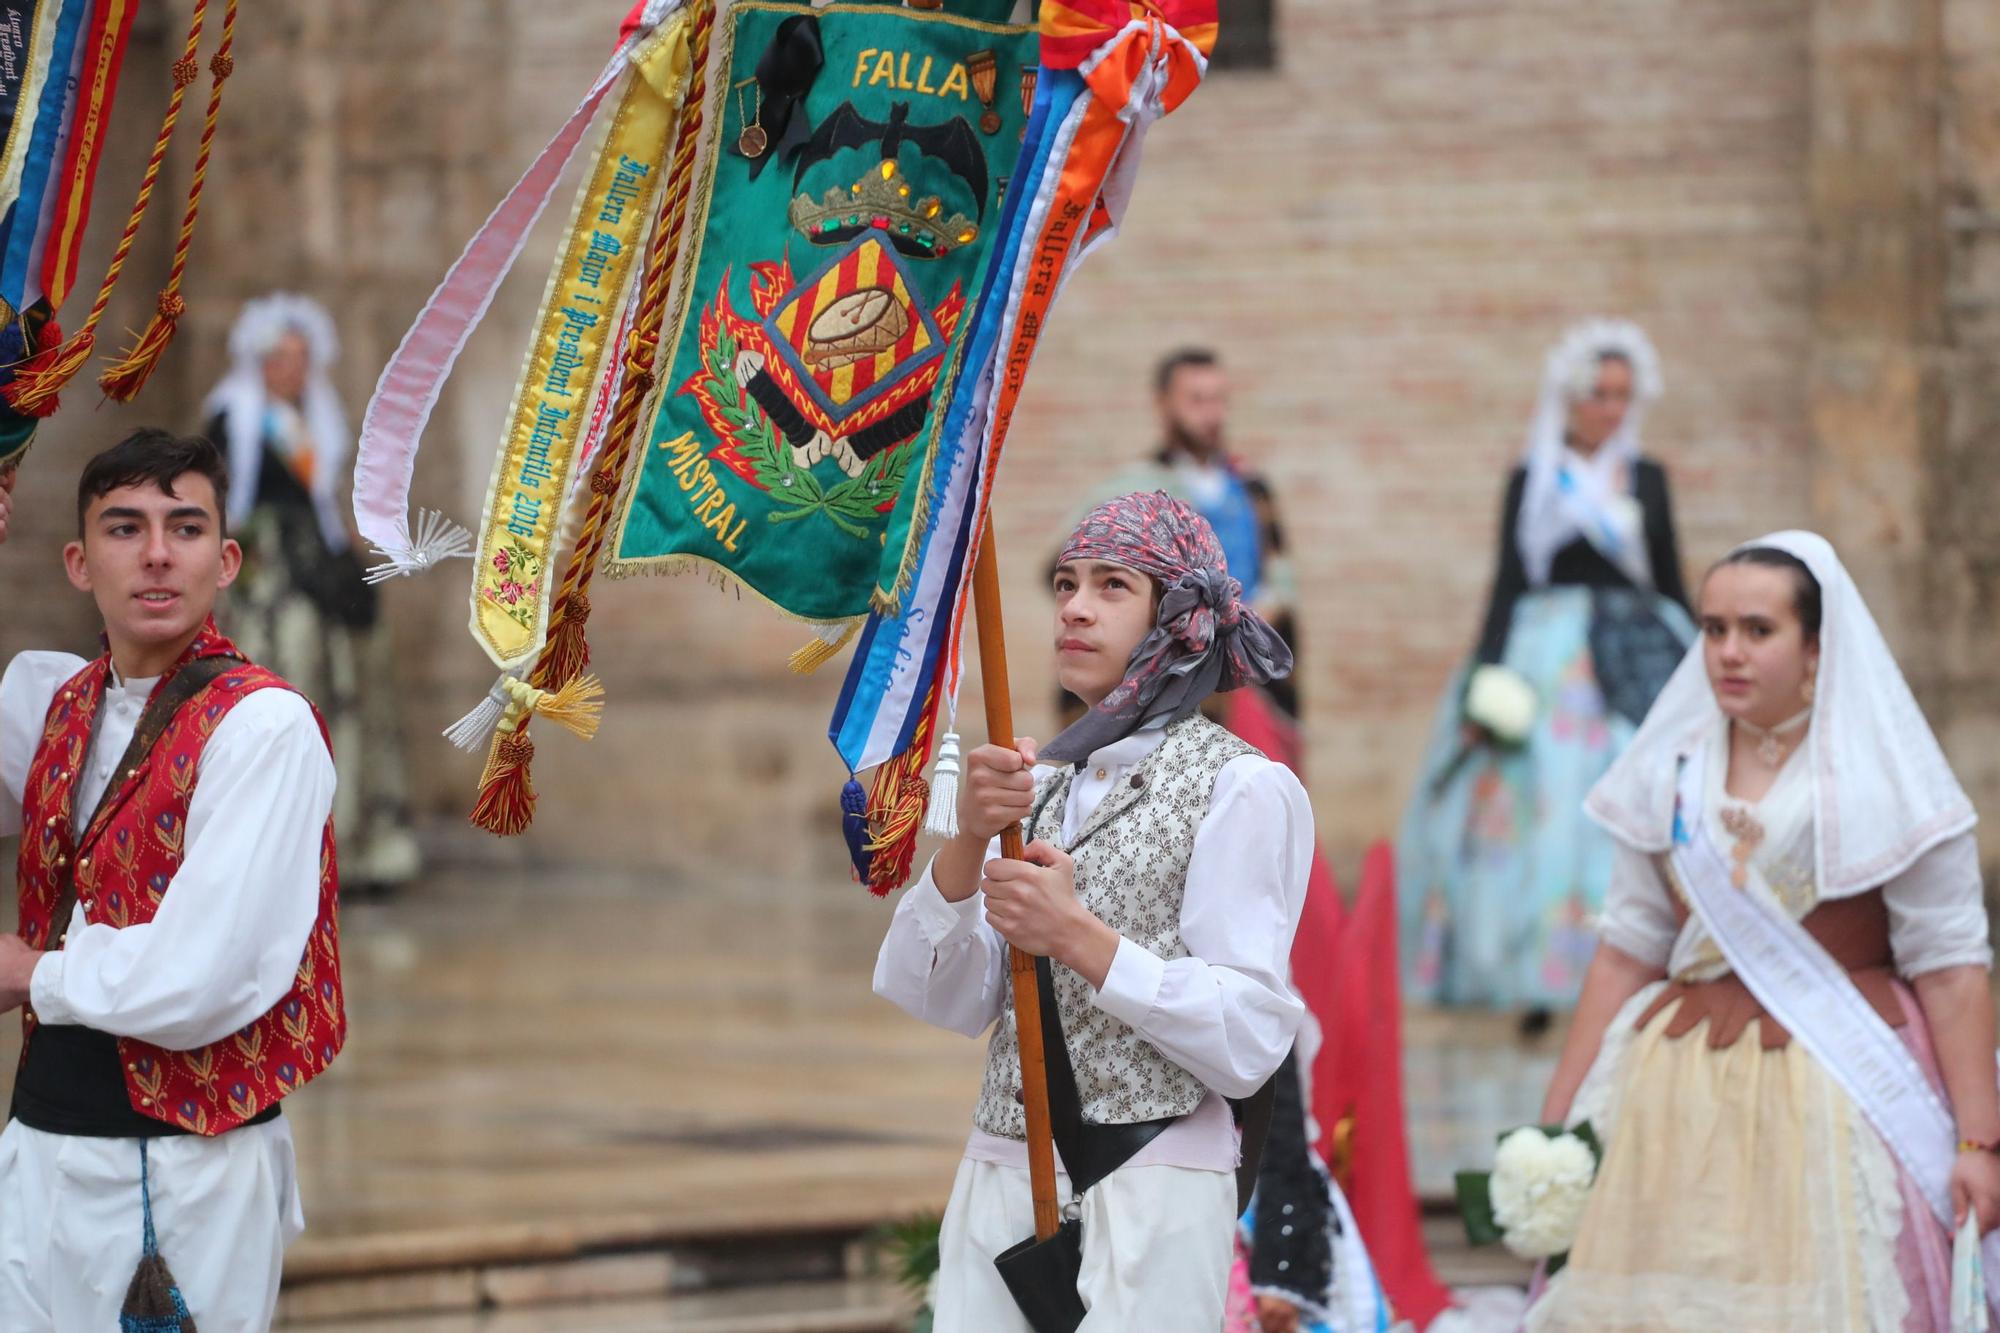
{"x":1500,"y":875}
{"x":302,"y":606}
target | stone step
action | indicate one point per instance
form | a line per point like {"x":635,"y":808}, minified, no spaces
{"x":620,"y":1275}
{"x":855,"y":1306}
{"x":468,"y":1275}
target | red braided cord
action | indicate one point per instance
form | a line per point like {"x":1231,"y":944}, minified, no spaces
{"x":153,"y":165}
{"x":126,"y":375}
{"x":223,"y":65}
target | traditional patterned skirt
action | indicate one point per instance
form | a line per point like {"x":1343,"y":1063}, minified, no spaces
{"x":1742,"y":1189}
{"x":1500,"y":874}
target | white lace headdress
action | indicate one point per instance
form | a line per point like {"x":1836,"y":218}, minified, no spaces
{"x":242,"y":401}
{"x":1883,"y":792}
{"x":1555,"y":513}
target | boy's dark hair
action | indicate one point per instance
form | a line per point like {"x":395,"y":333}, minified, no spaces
{"x":161,"y":457}
{"x":1805,"y":588}
{"x":1172,"y":362}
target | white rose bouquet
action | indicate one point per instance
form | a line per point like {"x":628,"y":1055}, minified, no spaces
{"x":1503,"y":701}
{"x":1532,"y":1200}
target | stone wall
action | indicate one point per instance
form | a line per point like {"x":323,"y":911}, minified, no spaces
{"x":1963,"y":464}
{"x":1382,"y":236}
{"x":1905,"y":398}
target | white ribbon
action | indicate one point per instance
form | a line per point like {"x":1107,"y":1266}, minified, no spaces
{"x":1805,"y":990}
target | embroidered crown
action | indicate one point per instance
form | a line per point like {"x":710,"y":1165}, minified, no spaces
{"x":882,"y":200}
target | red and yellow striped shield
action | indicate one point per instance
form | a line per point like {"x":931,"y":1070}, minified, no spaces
{"x":853,"y":331}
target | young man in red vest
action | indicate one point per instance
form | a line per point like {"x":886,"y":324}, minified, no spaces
{"x":177,"y":963}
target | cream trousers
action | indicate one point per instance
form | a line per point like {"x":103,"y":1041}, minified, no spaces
{"x":1158,"y":1242}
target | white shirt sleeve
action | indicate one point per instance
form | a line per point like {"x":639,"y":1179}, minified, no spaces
{"x":1227,"y":1013}
{"x":26,"y":691}
{"x":226,"y":943}
{"x":941,"y":962}
{"x":1937,"y":911}
{"x":1638,"y":917}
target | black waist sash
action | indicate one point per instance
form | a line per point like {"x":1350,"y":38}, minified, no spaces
{"x":72,"y":1082}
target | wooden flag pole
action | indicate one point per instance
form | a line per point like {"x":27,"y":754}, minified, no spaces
{"x":1027,"y":996}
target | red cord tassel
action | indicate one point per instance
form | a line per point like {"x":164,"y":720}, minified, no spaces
{"x":36,"y":389}
{"x":566,"y":654}
{"x":896,"y":801}
{"x":122,"y":380}
{"x":506,"y":803}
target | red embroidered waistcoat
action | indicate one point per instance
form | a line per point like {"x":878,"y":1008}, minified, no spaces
{"x":125,"y":865}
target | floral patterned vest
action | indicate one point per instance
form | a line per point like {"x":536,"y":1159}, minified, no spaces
{"x":125,"y":864}
{"x":1131,"y":871}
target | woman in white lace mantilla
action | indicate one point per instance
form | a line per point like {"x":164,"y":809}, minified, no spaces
{"x":1499,"y":872}
{"x":1741,"y":1186}
{"x":302,"y":606}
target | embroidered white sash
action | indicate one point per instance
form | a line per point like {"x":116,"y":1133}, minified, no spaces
{"x":1802,"y":987}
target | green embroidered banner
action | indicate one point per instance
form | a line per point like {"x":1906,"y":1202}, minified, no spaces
{"x":844,"y":218}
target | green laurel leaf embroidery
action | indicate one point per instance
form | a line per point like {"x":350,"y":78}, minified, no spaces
{"x":851,"y":505}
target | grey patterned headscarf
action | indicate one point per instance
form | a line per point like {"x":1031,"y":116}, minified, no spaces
{"x":1204,"y":638}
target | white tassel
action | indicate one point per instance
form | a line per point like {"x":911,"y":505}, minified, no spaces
{"x":437,"y":540}
{"x":942,"y":817}
{"x":475,"y":729}
{"x":837,"y":632}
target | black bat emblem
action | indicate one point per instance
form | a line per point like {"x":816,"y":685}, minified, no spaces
{"x":954,"y":143}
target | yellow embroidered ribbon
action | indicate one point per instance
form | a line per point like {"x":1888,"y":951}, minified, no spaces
{"x":574,"y":335}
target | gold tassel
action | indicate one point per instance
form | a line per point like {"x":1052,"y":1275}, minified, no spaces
{"x":36,"y":389}
{"x":506,"y":804}
{"x":896,"y":801}
{"x":821,"y":650}
{"x":578,"y":707}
